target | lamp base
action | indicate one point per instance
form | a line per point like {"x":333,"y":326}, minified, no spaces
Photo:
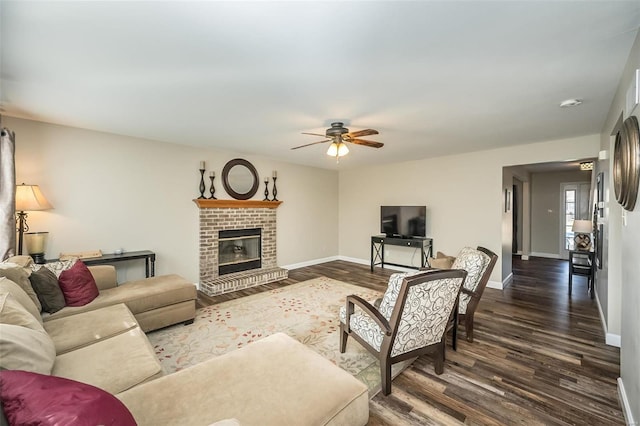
{"x":582,"y":242}
{"x":38,"y":258}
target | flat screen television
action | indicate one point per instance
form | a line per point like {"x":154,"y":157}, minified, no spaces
{"x":403,"y":221}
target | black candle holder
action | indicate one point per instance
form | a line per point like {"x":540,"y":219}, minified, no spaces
{"x":212,"y":189}
{"x":266,"y":190}
{"x":275,"y":190}
{"x":202,"y":188}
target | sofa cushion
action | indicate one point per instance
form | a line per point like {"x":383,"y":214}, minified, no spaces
{"x":22,"y":348}
{"x":21,"y":260}
{"x":19,"y":275}
{"x":56,"y":267}
{"x":8,"y":286}
{"x":45,"y":284}
{"x":77,"y":285}
{"x":117,"y":363}
{"x":12,"y":312}
{"x":140,"y":296}
{"x":76,"y":331}
{"x":441,"y":261}
{"x":36,"y":399}
{"x":274,"y":381}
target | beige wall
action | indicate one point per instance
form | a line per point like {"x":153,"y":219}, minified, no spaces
{"x":622,"y":276}
{"x":546,"y":207}
{"x":463,"y":195}
{"x":112,"y":191}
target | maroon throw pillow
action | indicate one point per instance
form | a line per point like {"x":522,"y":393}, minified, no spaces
{"x":78,"y":285}
{"x":37,"y":399}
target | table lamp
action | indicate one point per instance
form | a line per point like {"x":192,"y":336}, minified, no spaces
{"x":582,"y":230}
{"x":30,"y":198}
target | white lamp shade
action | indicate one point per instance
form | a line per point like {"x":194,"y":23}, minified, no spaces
{"x":582,"y":226}
{"x":29,"y":197}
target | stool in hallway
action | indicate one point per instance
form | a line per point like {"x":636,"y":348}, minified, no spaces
{"x":582,"y":262}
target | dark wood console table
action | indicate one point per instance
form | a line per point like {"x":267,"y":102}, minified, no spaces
{"x":379,"y":241}
{"x":583,"y":262}
{"x":109,"y":258}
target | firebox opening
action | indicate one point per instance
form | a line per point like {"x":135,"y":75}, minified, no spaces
{"x":239,"y":250}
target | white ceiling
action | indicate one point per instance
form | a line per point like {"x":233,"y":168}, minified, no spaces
{"x":432,"y":77}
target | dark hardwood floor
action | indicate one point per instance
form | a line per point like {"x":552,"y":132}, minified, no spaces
{"x":538,"y":357}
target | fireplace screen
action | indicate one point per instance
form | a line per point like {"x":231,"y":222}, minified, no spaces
{"x":239,"y":250}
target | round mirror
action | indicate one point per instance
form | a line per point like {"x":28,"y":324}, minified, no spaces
{"x":240,"y":179}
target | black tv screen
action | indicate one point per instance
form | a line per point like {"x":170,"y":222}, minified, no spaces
{"x":403,"y":221}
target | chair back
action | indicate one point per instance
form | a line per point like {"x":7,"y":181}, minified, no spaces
{"x":422,"y":310}
{"x":479,"y":264}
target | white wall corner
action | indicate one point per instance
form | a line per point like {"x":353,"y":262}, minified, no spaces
{"x":609,"y":338}
{"x":624,"y":401}
{"x":501,"y":285}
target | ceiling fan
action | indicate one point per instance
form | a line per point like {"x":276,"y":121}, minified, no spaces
{"x":337,"y":134}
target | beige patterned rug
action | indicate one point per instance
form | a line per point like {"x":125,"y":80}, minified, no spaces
{"x":306,"y":311}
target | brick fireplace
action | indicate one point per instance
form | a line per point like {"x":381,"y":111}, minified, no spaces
{"x":233,"y":218}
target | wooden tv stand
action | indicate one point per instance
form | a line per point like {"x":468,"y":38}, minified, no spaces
{"x":379,"y":241}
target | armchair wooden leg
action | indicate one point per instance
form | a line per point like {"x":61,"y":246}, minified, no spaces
{"x":343,"y":339}
{"x":468,"y":325}
{"x":385,"y":373}
{"x":439,"y":358}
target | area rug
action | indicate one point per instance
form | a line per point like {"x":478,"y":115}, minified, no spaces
{"x":307,"y":311}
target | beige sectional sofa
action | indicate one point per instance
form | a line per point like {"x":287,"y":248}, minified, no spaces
{"x":156,"y":302}
{"x":275,"y":381}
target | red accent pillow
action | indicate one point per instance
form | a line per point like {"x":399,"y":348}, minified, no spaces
{"x":37,"y":399}
{"x":78,"y":285}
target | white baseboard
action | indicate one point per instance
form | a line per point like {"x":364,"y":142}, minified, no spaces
{"x":609,"y":338}
{"x":525,"y":257}
{"x":503,"y":284}
{"x":354,"y":260}
{"x":310,"y":262}
{"x":495,"y":284}
{"x":624,"y":401}
{"x":547,"y":255}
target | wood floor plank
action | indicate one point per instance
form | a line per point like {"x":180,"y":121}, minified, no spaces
{"x":538,"y":358}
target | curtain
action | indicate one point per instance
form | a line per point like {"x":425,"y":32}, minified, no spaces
{"x":7,"y":194}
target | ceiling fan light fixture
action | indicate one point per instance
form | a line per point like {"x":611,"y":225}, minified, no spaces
{"x":342,"y":149}
{"x":333,"y":149}
{"x":337,"y":149}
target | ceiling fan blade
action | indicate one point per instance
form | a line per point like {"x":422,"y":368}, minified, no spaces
{"x":309,"y":144}
{"x":314,"y":134}
{"x":365,"y":132}
{"x":371,"y":144}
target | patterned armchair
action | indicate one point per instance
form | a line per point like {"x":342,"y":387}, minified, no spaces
{"x":479,"y":264}
{"x":411,"y":321}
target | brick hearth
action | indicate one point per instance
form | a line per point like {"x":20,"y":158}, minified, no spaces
{"x":216,"y":216}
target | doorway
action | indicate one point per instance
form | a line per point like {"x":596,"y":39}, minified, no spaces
{"x":574,"y":206}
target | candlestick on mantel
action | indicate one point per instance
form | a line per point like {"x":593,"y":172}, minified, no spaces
{"x":275,"y":174}
{"x":266,"y":189}
{"x":212,"y":176}
{"x":202,"y":187}
{"x":275,"y":190}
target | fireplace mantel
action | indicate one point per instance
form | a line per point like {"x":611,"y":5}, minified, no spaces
{"x":205,"y":203}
